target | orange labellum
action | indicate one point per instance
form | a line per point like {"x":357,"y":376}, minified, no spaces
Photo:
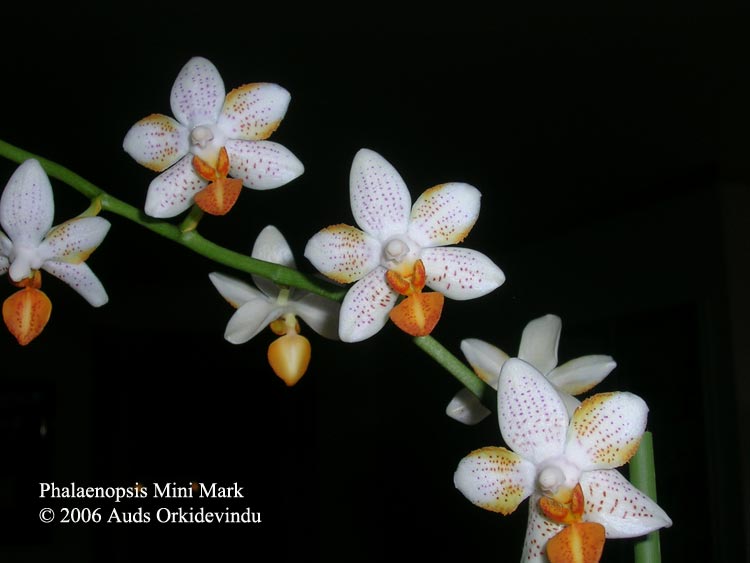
{"x":581,"y":542}
{"x":220,"y":196}
{"x":34,"y":281}
{"x":398,"y":283}
{"x":26,"y":313}
{"x":418,"y":314}
{"x":222,"y":167}
{"x":419,"y":278}
{"x":289,"y":357}
{"x":555,"y":511}
{"x":204,"y":169}
{"x":577,"y":502}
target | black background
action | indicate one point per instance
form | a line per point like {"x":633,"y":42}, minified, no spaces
{"x":612,"y":155}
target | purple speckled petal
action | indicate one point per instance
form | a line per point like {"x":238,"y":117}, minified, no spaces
{"x":444,"y":214}
{"x":343,"y":253}
{"x":533,"y":418}
{"x":73,"y":241}
{"x":495,"y":479}
{"x":198,"y":93}
{"x":379,"y":197}
{"x":460,"y":273}
{"x":172,"y":191}
{"x":27,"y":207}
{"x":81,"y":278}
{"x":262,"y":165}
{"x":605,"y":430}
{"x":254,"y":111}
{"x":157,"y":142}
{"x":623,"y":510}
{"x":366,"y":306}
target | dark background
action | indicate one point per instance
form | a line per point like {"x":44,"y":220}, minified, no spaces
{"x":612,"y":154}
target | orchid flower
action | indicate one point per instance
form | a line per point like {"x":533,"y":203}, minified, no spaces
{"x":276,"y":307}
{"x":539,"y":343}
{"x":30,"y":243}
{"x":399,"y":249}
{"x":210,"y":137}
{"x":567,"y":465}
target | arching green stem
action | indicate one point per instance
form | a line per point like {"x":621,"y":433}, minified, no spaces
{"x":187,"y":235}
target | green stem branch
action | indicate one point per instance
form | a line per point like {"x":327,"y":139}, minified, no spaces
{"x":643,"y":477}
{"x":186,"y":235}
{"x":457,"y":369}
{"x":190,"y":239}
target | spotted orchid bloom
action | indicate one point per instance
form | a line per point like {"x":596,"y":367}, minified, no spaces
{"x":539,"y":343}
{"x":29,"y":244}
{"x":399,"y":249}
{"x":276,"y":307}
{"x":211,"y":137}
{"x":566,"y":465}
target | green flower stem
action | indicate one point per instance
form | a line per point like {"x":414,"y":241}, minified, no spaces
{"x":457,"y":369}
{"x":186,"y":235}
{"x":191,"y":239}
{"x":190,"y":223}
{"x":643,"y":477}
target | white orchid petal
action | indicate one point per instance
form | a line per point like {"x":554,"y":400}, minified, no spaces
{"x":235,"y":291}
{"x":262,"y":165}
{"x":271,"y":246}
{"x":485,"y":359}
{"x":466,"y":408}
{"x":460,"y":273}
{"x":253,"y":111}
{"x":533,"y":419}
{"x":321,"y":314}
{"x":379,"y":198}
{"x":444,"y":214}
{"x":366,"y":306}
{"x":73,"y":241}
{"x":605,"y":430}
{"x":579,"y":375}
{"x":252,"y":317}
{"x":157,"y":142}
{"x":172,"y":191}
{"x":197,"y":94}
{"x":80,"y":278}
{"x":495,"y":479}
{"x":343,"y":253}
{"x":539,"y":342}
{"x":3,"y":265}
{"x":27,"y":206}
{"x":623,"y":510}
{"x":539,"y":529}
